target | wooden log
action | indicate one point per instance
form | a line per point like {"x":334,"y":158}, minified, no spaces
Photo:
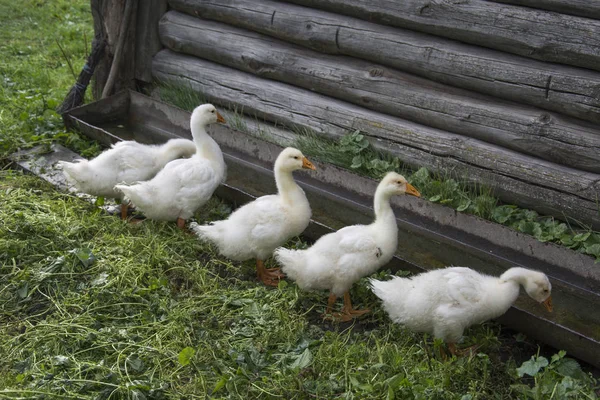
{"x":147,"y":43}
{"x":531,"y":33}
{"x":581,"y":8}
{"x":107,"y":15}
{"x":524,"y":129}
{"x":525,"y":180}
{"x":568,"y":90}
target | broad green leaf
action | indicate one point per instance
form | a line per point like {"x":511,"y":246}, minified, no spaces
{"x":530,"y":228}
{"x":357,"y":162}
{"x":581,"y":237}
{"x":99,"y":201}
{"x":60,"y":360}
{"x":421,"y":176}
{"x":100,"y":280}
{"x":566,"y":239}
{"x":135,"y":363}
{"x":138,"y":395}
{"x":186,"y":355}
{"x":532,"y":367}
{"x":435,"y":198}
{"x":463,"y":205}
{"x":220,"y":383}
{"x":593,"y":250}
{"x":503,"y":213}
{"x":23,"y":291}
{"x":303,"y":360}
{"x":593,"y":239}
{"x":84,"y":255}
{"x":568,"y":367}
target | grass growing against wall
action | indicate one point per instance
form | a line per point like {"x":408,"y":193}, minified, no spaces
{"x":354,"y":152}
{"x":95,"y":308}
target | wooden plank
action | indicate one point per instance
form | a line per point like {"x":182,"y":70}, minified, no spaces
{"x":528,"y":181}
{"x":567,"y":90}
{"x":531,"y":33}
{"x":581,"y":8}
{"x":147,"y":42}
{"x":521,"y":128}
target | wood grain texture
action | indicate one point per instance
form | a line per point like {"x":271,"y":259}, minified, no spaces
{"x":147,"y":42}
{"x":581,"y":8}
{"x":107,"y":15}
{"x":524,"y":129}
{"x":524,"y":31}
{"x":567,"y":90}
{"x":528,"y":181}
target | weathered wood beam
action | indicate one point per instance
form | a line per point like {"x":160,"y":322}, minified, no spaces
{"x":581,"y":8}
{"x":525,"y":180}
{"x":107,"y":16}
{"x":521,"y":128}
{"x":567,"y":90}
{"x":147,"y":43}
{"x":531,"y":33}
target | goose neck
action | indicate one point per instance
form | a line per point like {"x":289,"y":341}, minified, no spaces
{"x":382,"y":206}
{"x":287,"y":187}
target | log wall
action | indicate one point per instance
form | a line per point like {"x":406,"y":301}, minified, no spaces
{"x":505,"y":93}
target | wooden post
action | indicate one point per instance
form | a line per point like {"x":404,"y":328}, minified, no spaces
{"x":108,"y":15}
{"x":147,"y":43}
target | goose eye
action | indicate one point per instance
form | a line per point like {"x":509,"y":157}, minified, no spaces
{"x":296,"y":157}
{"x":213,"y":111}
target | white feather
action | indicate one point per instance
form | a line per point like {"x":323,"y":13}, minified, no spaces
{"x":184,"y":185}
{"x":257,"y":228}
{"x":124,"y":162}
{"x":446,"y":301}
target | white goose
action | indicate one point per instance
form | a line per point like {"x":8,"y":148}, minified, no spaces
{"x":339,"y":259}
{"x":257,"y":228}
{"x":124,"y":162}
{"x":178,"y":190}
{"x":444,"y":302}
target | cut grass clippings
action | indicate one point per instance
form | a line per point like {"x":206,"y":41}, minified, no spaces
{"x":93,"y":307}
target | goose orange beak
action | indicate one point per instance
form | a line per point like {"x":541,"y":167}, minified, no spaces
{"x":220,"y":118}
{"x":548,"y":304}
{"x":410,"y":189}
{"x":307,"y":164}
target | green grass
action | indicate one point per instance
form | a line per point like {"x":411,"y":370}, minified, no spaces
{"x":95,"y":308}
{"x":92,"y":307}
{"x":35,"y":76}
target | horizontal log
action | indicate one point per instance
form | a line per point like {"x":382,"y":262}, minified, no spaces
{"x":525,"y":180}
{"x":581,"y":8}
{"x":531,"y":33}
{"x":567,"y":90}
{"x":521,"y":128}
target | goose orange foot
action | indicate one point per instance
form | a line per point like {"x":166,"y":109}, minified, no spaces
{"x":348,"y":312}
{"x":271,"y":276}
